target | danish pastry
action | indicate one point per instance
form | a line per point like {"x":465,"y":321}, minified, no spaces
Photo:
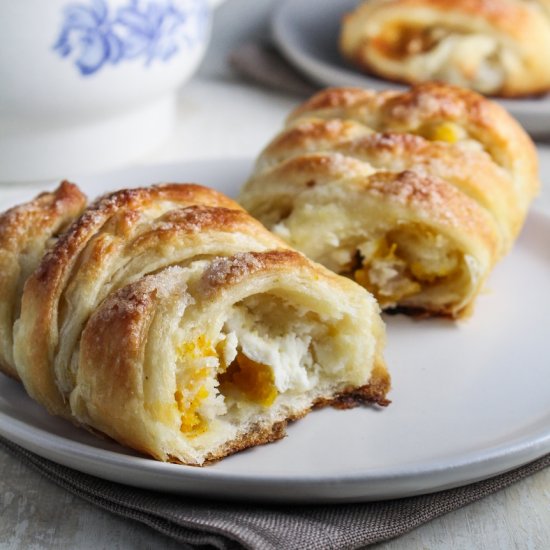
{"x":415,"y":195}
{"x":496,"y":47}
{"x":172,"y":321}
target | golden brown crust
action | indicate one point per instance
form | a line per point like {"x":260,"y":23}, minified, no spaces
{"x":25,"y":231}
{"x":128,"y":202}
{"x":509,"y":16}
{"x":431,"y":197}
{"x":124,"y":320}
{"x":335,"y":99}
{"x":468,"y":170}
{"x":32,"y":219}
{"x":260,"y":435}
{"x":121,"y":324}
{"x":422,"y":103}
{"x":428,"y":194}
{"x":224,"y":272}
{"x":375,"y":391}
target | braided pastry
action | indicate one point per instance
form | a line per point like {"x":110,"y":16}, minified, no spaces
{"x":416,"y":195}
{"x":497,"y":47}
{"x":172,"y":321}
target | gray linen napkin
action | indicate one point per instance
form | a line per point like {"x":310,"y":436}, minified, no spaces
{"x":227,"y":525}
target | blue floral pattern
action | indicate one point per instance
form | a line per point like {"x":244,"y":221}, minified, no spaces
{"x":94,"y":37}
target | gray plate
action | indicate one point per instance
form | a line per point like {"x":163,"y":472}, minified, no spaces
{"x":470,"y":399}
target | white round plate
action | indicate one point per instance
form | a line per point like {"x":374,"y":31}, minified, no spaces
{"x":306,"y":32}
{"x":470,"y":399}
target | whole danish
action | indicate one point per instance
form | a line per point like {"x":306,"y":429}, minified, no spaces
{"x":496,"y":47}
{"x":416,"y":195}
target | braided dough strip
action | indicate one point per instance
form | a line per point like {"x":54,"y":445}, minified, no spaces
{"x":26,"y":232}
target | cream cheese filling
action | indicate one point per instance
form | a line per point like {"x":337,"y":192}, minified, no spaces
{"x":288,"y":354}
{"x":247,"y":366}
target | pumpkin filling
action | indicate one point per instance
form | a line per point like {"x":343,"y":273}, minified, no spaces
{"x":403,"y":263}
{"x":265,"y":350}
{"x":400,"y":41}
{"x":253,"y":380}
{"x":195,"y":387}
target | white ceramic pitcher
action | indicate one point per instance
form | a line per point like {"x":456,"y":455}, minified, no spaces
{"x":86,"y":85}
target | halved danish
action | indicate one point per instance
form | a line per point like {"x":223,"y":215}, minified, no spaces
{"x":169,"y":319}
{"x":415,"y":195}
{"x":496,"y":47}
